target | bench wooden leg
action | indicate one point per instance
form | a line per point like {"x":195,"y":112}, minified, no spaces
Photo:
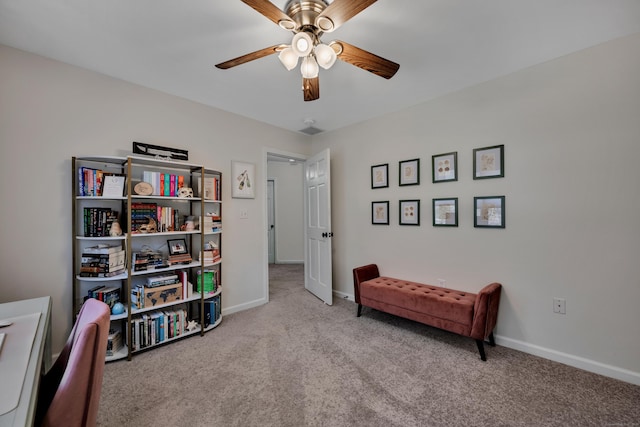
{"x":480,"y":344}
{"x":359,"y":310}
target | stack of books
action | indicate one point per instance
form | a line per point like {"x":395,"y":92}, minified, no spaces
{"x":97,"y":221}
{"x":211,"y":223}
{"x":102,"y":261}
{"x":114,"y":342}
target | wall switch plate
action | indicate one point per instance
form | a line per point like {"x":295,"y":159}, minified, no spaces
{"x":442,"y":283}
{"x":559,"y":306}
{"x":244,"y":214}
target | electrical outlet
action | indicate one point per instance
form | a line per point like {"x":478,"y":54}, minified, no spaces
{"x":442,"y":283}
{"x":559,"y":306}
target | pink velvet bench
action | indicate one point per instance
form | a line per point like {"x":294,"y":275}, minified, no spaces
{"x":464,"y":313}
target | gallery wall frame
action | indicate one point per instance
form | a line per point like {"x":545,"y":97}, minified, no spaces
{"x":489,"y":212}
{"x":409,"y":172}
{"x":380,"y":213}
{"x":242,"y":180}
{"x":409,"y":213}
{"x":488,"y":162}
{"x":445,"y":212}
{"x":380,"y":176}
{"x":444,"y":167}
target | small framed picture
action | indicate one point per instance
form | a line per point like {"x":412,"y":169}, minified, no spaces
{"x":380,"y":176}
{"x":243,"y":180}
{"x":113,"y":185}
{"x":445,"y":167}
{"x":445,"y":212}
{"x":409,"y":212}
{"x":410,"y":172}
{"x":489,"y":212}
{"x":177,"y":246}
{"x":488,"y":162}
{"x":380,"y":213}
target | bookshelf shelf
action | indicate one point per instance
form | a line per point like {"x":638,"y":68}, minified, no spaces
{"x":152,"y":277}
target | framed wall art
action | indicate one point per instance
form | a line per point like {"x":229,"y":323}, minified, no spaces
{"x":380,"y":176}
{"x":445,"y":167}
{"x":243,"y":180}
{"x":489,"y":212}
{"x":488,"y":162}
{"x":409,"y":212}
{"x":380,"y":213}
{"x":445,"y":212}
{"x":409,"y":172}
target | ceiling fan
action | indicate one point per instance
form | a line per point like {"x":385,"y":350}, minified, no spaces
{"x":308,"y":20}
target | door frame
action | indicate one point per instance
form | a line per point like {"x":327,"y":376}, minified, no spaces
{"x":265,"y":208}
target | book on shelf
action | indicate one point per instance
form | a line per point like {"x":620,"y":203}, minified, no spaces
{"x":108,"y":295}
{"x":108,"y":261}
{"x":97,"y":221}
{"x":211,"y":188}
{"x":156,"y":327}
{"x":102,"y":249}
{"x":114,"y":342}
{"x":164,"y":184}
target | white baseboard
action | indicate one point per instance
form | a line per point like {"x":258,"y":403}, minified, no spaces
{"x":571,"y":360}
{"x":344,"y":295}
{"x":289,"y":261}
{"x":245,"y":306}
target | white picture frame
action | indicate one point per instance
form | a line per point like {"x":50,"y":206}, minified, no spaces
{"x":243,"y":180}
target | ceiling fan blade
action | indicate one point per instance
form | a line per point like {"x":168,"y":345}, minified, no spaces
{"x":272,"y":12}
{"x":339,"y":12}
{"x":311,"y":88}
{"x":365,"y":60}
{"x":248,"y":57}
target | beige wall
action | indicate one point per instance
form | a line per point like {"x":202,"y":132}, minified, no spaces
{"x":50,"y":112}
{"x":571,"y":130}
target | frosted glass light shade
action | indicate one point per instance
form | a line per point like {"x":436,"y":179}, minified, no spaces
{"x":309,"y":68}
{"x":302,"y":44}
{"x":325,"y":56}
{"x":288,"y":58}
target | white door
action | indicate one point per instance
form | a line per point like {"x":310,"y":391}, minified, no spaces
{"x":317,"y":222}
{"x":271,"y":220}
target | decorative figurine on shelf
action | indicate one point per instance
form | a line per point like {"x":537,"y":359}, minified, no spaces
{"x":189,"y":224}
{"x":115,"y":230}
{"x":185,"y":192}
{"x":118,"y":308}
{"x":191,"y":325}
{"x":150,"y":227}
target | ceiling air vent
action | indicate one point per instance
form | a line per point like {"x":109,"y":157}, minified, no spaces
{"x":311,"y":130}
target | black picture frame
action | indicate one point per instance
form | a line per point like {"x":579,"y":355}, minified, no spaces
{"x":380,"y":213}
{"x":445,"y":212}
{"x":444,"y":167}
{"x":488,"y":162}
{"x":177,"y":246}
{"x":409,"y":172}
{"x":380,"y":176}
{"x":409,"y":212}
{"x":489,"y":212}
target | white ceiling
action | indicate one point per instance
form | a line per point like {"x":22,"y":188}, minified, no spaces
{"x":441,"y":46}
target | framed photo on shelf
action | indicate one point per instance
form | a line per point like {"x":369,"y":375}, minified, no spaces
{"x":409,"y":172}
{"x":445,"y":212}
{"x":113,"y":185}
{"x":243,"y":180}
{"x":409,"y":212}
{"x":488,"y":162}
{"x":177,"y":246}
{"x":380,"y":213}
{"x":445,"y":167}
{"x":380,"y":176}
{"x":489,"y":212}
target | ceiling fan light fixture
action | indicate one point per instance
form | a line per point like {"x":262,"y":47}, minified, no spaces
{"x":309,"y":68}
{"x":325,"y":56}
{"x":288,"y":58}
{"x":302,"y":44}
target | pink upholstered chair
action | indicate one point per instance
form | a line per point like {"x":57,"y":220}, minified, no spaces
{"x":70,"y":392}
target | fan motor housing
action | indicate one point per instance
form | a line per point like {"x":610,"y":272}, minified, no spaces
{"x":304,"y":12}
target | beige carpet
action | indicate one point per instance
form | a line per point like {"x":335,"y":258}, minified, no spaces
{"x":298,"y":362}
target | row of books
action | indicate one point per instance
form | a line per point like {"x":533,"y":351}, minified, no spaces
{"x":91,"y":181}
{"x":164,"y":184}
{"x":158,"y":326}
{"x":212,"y":189}
{"x":103,"y":265}
{"x":114,"y":342}
{"x":167,"y":218}
{"x":212,"y":310}
{"x":148,"y":260}
{"x":108,"y":295}
{"x":97,"y":221}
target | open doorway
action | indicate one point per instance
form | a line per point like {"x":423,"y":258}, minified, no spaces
{"x":284,"y":213}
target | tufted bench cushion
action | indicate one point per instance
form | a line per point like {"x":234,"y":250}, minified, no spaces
{"x":442,"y":303}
